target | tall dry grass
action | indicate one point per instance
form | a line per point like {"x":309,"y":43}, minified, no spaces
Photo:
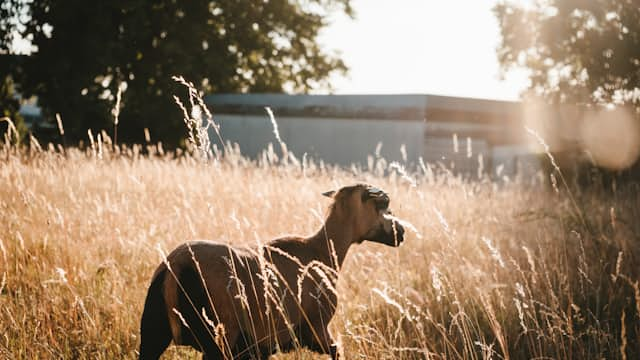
{"x":503,"y":270}
{"x":494,"y":269}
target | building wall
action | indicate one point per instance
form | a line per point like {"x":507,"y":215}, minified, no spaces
{"x":333,"y":140}
{"x":461,"y":158}
{"x":346,"y":129}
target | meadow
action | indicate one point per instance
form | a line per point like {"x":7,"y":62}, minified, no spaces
{"x":496,"y":269}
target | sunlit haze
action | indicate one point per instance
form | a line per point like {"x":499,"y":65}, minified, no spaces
{"x":421,"y":46}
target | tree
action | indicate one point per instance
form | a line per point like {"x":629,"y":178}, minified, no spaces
{"x":576,"y":51}
{"x":585,"y":53}
{"x":9,"y":103}
{"x":86,"y":50}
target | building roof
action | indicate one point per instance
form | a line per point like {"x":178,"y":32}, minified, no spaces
{"x":409,"y":106}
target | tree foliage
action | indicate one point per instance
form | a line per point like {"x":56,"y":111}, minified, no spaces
{"x":576,"y":51}
{"x":86,"y":50}
{"x":9,"y":103}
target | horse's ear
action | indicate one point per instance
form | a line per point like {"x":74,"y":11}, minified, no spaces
{"x":329,"y":194}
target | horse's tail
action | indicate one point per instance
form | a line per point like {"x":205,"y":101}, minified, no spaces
{"x":155,"y":331}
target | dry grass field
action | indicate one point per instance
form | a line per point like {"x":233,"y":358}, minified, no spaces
{"x":496,"y":270}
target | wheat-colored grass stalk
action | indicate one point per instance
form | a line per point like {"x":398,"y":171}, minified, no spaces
{"x":98,"y":220}
{"x":276,"y":133}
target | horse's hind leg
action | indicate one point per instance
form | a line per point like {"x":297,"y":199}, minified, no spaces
{"x":195,"y":307}
{"x":212,"y":354}
{"x":155,"y":333}
{"x":318,"y":340}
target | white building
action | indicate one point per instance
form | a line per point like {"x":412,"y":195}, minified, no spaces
{"x":347,"y":129}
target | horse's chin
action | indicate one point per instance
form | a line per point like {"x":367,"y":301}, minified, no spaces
{"x":393,"y":239}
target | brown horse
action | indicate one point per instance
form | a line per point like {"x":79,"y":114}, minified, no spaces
{"x":233,"y":303}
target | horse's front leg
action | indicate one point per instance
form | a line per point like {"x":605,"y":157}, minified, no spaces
{"x":325,"y":344}
{"x":318,"y":339}
{"x":333,"y":351}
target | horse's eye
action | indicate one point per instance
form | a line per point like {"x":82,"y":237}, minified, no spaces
{"x":382,"y":204}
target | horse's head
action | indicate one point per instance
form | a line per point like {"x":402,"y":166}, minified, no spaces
{"x":366,"y":208}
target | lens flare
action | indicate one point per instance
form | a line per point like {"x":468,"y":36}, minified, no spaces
{"x":612,"y":138}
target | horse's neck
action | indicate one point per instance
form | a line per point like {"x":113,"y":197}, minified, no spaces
{"x":333,"y":241}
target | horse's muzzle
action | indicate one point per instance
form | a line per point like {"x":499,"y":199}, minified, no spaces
{"x":398,"y":232}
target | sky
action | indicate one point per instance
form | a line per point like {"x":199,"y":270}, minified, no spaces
{"x":440,"y":47}
{"x":421,"y":46}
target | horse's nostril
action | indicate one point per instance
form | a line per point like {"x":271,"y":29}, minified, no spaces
{"x":399,"y":230}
